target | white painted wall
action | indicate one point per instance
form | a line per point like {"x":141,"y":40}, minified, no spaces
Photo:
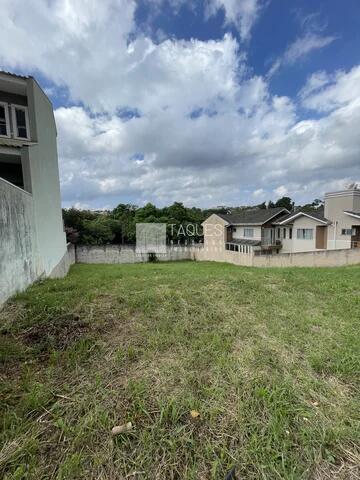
{"x":239,"y":234}
{"x":335,"y":204}
{"x":44,"y":173}
{"x":287,"y":243}
{"x":304,"y":245}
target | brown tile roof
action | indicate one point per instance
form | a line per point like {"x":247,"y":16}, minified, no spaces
{"x":255,"y":216}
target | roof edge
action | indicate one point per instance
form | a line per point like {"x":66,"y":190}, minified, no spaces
{"x":306,"y":214}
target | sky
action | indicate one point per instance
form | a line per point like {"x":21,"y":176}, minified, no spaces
{"x":205,"y":102}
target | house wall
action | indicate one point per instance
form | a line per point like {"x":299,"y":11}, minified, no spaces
{"x":287,"y":243}
{"x":302,"y":245}
{"x":214,"y":229}
{"x":335,"y":204}
{"x":44,"y":175}
{"x":239,"y":234}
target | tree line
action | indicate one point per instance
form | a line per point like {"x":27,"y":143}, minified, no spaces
{"x":118,"y":226}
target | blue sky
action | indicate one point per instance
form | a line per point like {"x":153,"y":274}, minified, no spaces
{"x":208,"y":102}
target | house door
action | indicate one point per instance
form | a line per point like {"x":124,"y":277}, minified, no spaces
{"x":229,"y":235}
{"x":321,"y":237}
{"x":355,"y":238}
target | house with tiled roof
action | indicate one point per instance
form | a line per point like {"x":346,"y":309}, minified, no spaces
{"x":272,"y":231}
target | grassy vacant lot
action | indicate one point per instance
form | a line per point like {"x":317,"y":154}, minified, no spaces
{"x":269,"y":358}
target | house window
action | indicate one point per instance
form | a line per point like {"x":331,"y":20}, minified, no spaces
{"x":284,"y":233}
{"x":234,"y":229}
{"x":4,"y":120}
{"x":346,"y":231}
{"x":290,"y":233}
{"x":278,"y":233}
{"x":248,"y":232}
{"x":305,"y":233}
{"x":20,"y":121}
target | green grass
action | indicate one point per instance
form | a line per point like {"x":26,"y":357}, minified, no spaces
{"x":269,"y":358}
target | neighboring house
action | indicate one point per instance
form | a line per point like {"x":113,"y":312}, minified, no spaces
{"x":32,"y":239}
{"x":276,"y":230}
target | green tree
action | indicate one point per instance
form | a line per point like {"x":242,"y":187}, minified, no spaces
{"x":100,"y":231}
{"x":125,"y":214}
{"x":285,"y":202}
{"x":144,"y":213}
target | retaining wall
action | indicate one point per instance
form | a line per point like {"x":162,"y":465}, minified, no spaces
{"x":323,"y":258}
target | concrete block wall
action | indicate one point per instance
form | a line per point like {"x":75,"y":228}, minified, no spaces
{"x":21,"y":257}
{"x":20,"y":261}
{"x":126,"y":254}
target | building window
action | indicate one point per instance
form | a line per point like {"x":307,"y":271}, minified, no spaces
{"x":290,"y":233}
{"x":4,"y":120}
{"x":248,"y":232}
{"x":305,"y":233}
{"x":234,"y":229}
{"x":346,"y":231}
{"x":284,"y":233}
{"x":20,"y":122}
{"x":278,"y":233}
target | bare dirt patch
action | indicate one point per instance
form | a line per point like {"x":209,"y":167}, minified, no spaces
{"x":58,"y":333}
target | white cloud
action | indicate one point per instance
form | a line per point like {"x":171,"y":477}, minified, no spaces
{"x":259,"y":193}
{"x":209,"y":133}
{"x":324,"y":92}
{"x":305,"y":45}
{"x":281,"y":191}
{"x":299,"y":49}
{"x":242,"y":13}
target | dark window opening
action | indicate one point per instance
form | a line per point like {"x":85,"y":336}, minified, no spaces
{"x":21,"y":123}
{"x":290,"y":233}
{"x":3,"y":123}
{"x":12,"y":171}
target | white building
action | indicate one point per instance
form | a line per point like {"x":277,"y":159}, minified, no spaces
{"x":32,"y":238}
